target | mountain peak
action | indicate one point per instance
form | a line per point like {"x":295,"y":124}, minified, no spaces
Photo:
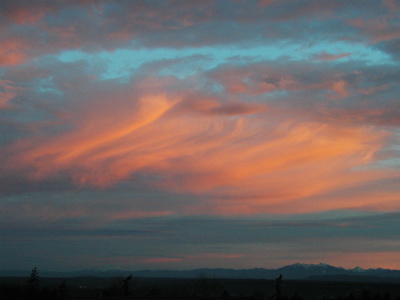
{"x":307,"y":266}
{"x":294,"y":271}
{"x":358,"y":269}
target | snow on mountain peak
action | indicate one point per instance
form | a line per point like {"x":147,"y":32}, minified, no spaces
{"x":307,"y":266}
{"x":358,"y":269}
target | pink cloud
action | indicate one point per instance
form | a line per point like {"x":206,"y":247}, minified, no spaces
{"x":202,"y":104}
{"x":379,"y":259}
{"x":100,"y":26}
{"x":201,"y":142}
{"x":254,"y":80}
{"x":161,"y":260}
{"x":373,"y":89}
{"x":392,"y":5}
{"x":26,"y":12}
{"x":325,"y":56}
{"x":262,"y":78}
{"x":22,"y":15}
{"x":134,"y":214}
{"x":12,"y":52}
{"x":379,"y":29}
{"x":199,"y":256}
{"x":89,"y":25}
{"x":8,"y":91}
{"x":263,"y":3}
{"x":339,"y":87}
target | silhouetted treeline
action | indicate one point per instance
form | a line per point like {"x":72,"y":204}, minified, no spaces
{"x":33,"y":290}
{"x":203,"y":287}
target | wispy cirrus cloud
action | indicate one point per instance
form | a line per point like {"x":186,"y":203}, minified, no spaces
{"x":232,"y":149}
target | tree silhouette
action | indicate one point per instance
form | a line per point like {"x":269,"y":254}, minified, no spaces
{"x":125,"y":285}
{"x":32,"y":290}
{"x":278,"y":294}
{"x":62,"y":291}
{"x":278,"y":287}
{"x":33,"y":281}
{"x":119,"y":288}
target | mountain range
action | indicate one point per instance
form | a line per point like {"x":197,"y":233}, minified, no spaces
{"x":295,"y":271}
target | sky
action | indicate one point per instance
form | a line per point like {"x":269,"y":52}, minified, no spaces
{"x":199,"y":134}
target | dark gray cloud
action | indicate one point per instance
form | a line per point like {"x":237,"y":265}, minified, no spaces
{"x":392,"y":47}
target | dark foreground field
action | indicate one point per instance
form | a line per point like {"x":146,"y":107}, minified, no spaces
{"x":198,"y":288}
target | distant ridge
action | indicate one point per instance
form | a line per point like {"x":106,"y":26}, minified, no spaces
{"x":295,"y":271}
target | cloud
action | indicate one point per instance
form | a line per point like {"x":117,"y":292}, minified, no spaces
{"x":229,"y":157}
{"x":391,"y":47}
{"x":262,"y":78}
{"x":221,"y":133}
{"x":7,"y":93}
{"x":381,"y":259}
{"x":35,"y":30}
{"x":212,"y":106}
{"x":305,"y":87}
{"x":373,"y":89}
{"x":379,"y":29}
{"x":325,"y":56}
{"x":174,"y":135}
{"x":202,"y":239}
{"x":161,"y":260}
{"x":339,"y":87}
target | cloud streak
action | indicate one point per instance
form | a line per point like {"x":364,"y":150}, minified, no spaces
{"x":228,"y":154}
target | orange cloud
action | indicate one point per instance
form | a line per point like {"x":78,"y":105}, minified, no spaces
{"x":339,"y":87}
{"x":12,"y":52}
{"x":97,"y":140}
{"x":241,"y":164}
